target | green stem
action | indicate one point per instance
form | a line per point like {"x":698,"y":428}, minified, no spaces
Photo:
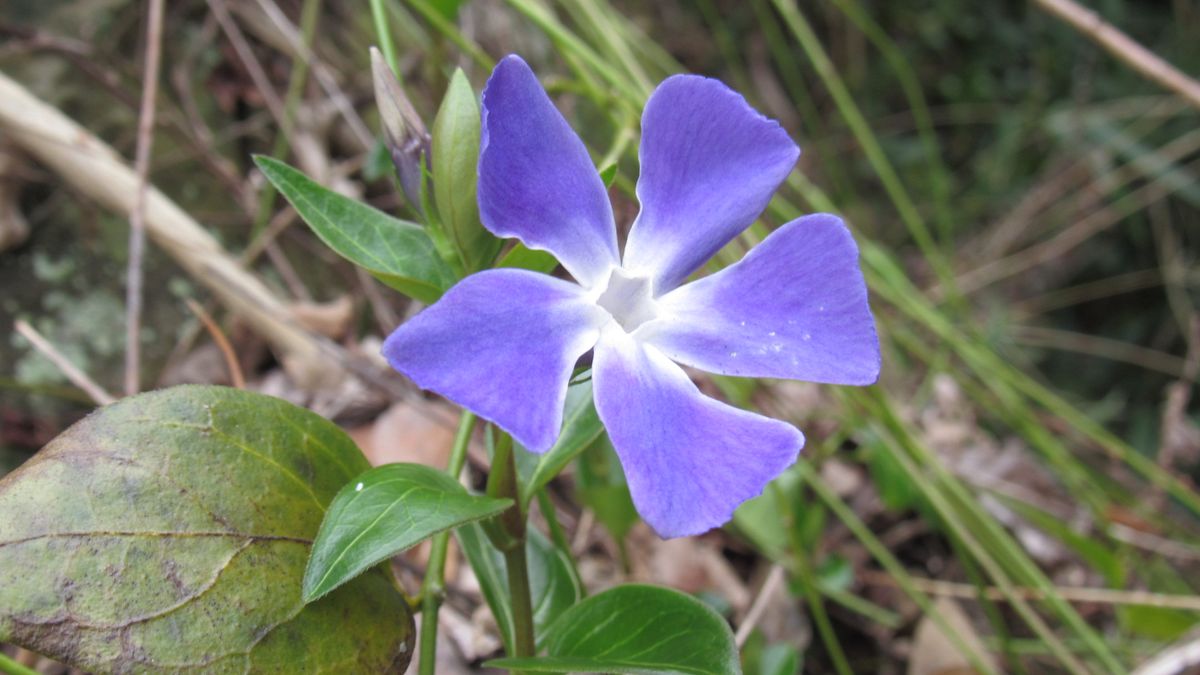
{"x":889,"y":563}
{"x":939,"y":176}
{"x":13,"y":667}
{"x":433,"y":586}
{"x":448,"y":29}
{"x":557,"y":534}
{"x":803,"y":572}
{"x":458,"y":452}
{"x":522,"y":605}
{"x":502,"y":482}
{"x":795,"y":20}
{"x":551,"y":514}
{"x":379,"y":16}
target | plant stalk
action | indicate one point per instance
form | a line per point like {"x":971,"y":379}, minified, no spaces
{"x":433,"y":586}
{"x":509,"y":537}
{"x":517,"y":567}
{"x":384,"y":34}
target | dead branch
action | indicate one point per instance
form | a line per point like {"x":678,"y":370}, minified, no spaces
{"x":137,"y":218}
{"x":96,"y":170}
{"x":1124,"y":48}
{"x":69,"y":370}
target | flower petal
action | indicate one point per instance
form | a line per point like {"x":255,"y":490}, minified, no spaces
{"x":501,"y":344}
{"x":536,"y":180}
{"x":795,"y":307}
{"x":689,"y":459}
{"x":710,"y":163}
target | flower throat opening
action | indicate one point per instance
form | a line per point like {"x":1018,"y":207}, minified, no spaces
{"x":627,"y":298}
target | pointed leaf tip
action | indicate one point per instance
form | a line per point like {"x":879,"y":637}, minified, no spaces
{"x":383,"y":512}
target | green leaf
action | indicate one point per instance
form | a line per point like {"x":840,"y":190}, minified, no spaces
{"x":554,"y":587}
{"x":455,"y":158}
{"x":1093,"y":551}
{"x":760,"y":520}
{"x":896,"y":491}
{"x":448,"y":8}
{"x":1158,"y":623}
{"x":397,"y":252}
{"x":1161,"y":623}
{"x":383,"y":512}
{"x":601,"y":486}
{"x":636,"y":629}
{"x":524,"y":258}
{"x":378,"y":162}
{"x":608,"y":174}
{"x":169,"y":532}
{"x":581,"y":428}
{"x":760,"y":658}
{"x":738,"y":390}
{"x":779,"y":659}
{"x":835,"y":573}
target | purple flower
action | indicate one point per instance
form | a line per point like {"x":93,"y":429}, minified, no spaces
{"x":503,"y":342}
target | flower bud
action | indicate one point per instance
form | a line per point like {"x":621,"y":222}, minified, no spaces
{"x":407,"y":139}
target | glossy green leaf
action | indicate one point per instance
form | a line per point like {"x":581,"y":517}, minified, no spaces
{"x":525,"y":258}
{"x":581,"y":427}
{"x":397,"y":252}
{"x":169,"y":532}
{"x":455,"y":157}
{"x":554,"y":587}
{"x":383,"y":512}
{"x":636,"y":629}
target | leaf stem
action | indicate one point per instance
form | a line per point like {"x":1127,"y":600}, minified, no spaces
{"x":502,"y":482}
{"x":805,"y":575}
{"x":379,"y":16}
{"x":458,"y":452}
{"x":13,"y":667}
{"x":433,"y":586}
{"x":517,"y":566}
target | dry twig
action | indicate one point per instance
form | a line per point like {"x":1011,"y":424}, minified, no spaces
{"x":137,"y":217}
{"x":1124,"y":48}
{"x":769,"y":588}
{"x":75,"y":375}
{"x":1100,"y":596}
{"x":231,"y":361}
{"x":93,"y":168}
{"x":251,"y":63}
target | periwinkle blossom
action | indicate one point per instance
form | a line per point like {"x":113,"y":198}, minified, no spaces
{"x":503,"y":342}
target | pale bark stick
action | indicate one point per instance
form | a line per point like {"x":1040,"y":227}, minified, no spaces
{"x":96,"y":170}
{"x":137,"y":218}
{"x":1124,"y":48}
{"x":75,"y":375}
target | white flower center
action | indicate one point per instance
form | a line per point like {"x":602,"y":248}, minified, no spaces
{"x":628,"y":299}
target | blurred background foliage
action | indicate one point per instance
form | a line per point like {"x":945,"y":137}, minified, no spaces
{"x":1027,"y":206}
